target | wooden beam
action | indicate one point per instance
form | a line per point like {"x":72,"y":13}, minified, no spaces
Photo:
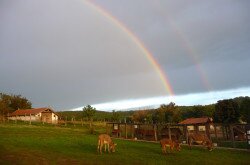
{"x":106,"y":128}
{"x":232,"y":134}
{"x":155,"y":132}
{"x":215,"y":132}
{"x":169,"y":132}
{"x":126,"y":131}
{"x":30,"y":118}
{"x":132,"y":130}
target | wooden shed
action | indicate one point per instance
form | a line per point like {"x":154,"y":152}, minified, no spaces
{"x":46,"y":115}
{"x":197,"y":125}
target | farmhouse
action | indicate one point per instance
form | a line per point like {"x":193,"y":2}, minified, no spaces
{"x":46,"y":115}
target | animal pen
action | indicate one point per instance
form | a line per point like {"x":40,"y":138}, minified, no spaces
{"x":233,"y":135}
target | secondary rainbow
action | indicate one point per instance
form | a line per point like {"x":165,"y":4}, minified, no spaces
{"x":134,"y":38}
{"x":191,"y":52}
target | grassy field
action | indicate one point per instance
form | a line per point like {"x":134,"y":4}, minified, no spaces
{"x":38,"y":144}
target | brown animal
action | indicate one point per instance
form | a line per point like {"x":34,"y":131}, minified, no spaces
{"x":105,"y":139}
{"x":171,"y":143}
{"x":200,"y":139}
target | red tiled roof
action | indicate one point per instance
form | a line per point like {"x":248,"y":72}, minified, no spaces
{"x":196,"y":120}
{"x":29,"y":111}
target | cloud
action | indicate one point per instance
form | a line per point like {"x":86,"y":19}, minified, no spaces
{"x":204,"y":98}
{"x":66,"y":53}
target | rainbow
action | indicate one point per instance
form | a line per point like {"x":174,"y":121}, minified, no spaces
{"x":193,"y":55}
{"x":138,"y":42}
{"x":191,"y":52}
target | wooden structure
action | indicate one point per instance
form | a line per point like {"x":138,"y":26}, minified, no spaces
{"x":45,"y":115}
{"x":197,"y":125}
{"x":153,"y":132}
{"x":218,"y":133}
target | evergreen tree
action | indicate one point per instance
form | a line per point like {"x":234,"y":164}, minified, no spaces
{"x":89,"y":112}
{"x":245,"y":109}
{"x":226,"y":111}
{"x":115,"y":116}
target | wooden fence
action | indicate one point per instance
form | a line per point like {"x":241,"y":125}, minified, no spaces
{"x":230,"y":135}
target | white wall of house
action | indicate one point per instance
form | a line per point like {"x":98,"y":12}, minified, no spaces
{"x":54,"y":118}
{"x":31,"y":117}
{"x":51,"y":118}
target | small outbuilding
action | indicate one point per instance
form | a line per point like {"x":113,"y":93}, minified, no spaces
{"x":198,"y":125}
{"x":46,"y":115}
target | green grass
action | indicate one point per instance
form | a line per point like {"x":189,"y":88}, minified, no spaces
{"x":44,"y":144}
{"x":237,"y":144}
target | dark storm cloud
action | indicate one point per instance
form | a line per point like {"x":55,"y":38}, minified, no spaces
{"x":184,"y":34}
{"x":66,"y":54}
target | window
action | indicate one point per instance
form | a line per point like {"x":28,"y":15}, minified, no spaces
{"x":190,"y":127}
{"x":115,"y":127}
{"x":202,"y":128}
{"x":212,"y":127}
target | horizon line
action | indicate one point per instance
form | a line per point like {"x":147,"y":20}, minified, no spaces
{"x":191,"y":99}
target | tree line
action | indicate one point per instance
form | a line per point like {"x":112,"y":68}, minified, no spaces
{"x":10,"y":103}
{"x":235,"y":110}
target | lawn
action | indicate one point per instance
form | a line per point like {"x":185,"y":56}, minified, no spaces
{"x":38,"y":144}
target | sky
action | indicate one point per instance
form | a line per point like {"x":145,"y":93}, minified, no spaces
{"x":123,"y":54}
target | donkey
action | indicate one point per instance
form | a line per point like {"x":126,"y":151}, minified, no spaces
{"x":104,"y":139}
{"x":171,"y":143}
{"x":200,"y":139}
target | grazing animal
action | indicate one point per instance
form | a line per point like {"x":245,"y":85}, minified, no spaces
{"x":177,"y":145}
{"x":172,"y":144}
{"x":200,"y":139}
{"x":105,"y":139}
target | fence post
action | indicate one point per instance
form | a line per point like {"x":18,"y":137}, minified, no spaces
{"x":231,"y":127}
{"x":73,"y":121}
{"x":66,"y":121}
{"x":106,"y":128}
{"x":215,"y":132}
{"x":227,"y":129}
{"x":126,"y":131}
{"x":155,"y":132}
{"x":132,"y":129}
{"x":207,"y":128}
{"x":247,"y":130}
{"x":186,"y":133}
{"x":30,"y":118}
{"x":169,"y":131}
{"x":119,"y":129}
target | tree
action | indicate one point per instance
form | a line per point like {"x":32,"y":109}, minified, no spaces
{"x":209,"y":110}
{"x":17,"y":101}
{"x":159,"y":114}
{"x":167,"y":113}
{"x":245,"y":109}
{"x":89,"y":112}
{"x":172,"y":114}
{"x":140,"y":116}
{"x":227,"y":111}
{"x":10,"y":103}
{"x":115,"y":116}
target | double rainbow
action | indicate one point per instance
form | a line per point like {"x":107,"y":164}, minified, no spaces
{"x":134,"y":38}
